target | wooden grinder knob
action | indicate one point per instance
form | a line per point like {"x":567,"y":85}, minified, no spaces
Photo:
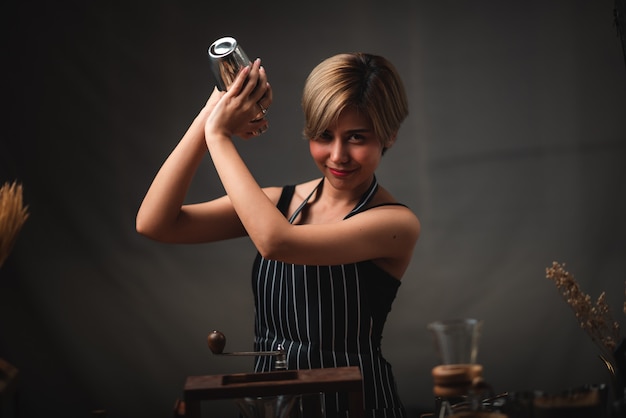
{"x":216,"y":341}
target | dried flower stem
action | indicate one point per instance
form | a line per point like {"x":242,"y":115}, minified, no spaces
{"x":13,"y":214}
{"x":596,"y":319}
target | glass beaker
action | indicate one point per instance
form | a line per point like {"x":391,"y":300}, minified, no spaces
{"x":457,"y":340}
{"x":281,"y":406}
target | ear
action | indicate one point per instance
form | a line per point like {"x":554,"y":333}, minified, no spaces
{"x":391,"y":140}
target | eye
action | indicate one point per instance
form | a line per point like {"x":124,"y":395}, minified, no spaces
{"x":356,"y":138}
{"x":324,"y":137}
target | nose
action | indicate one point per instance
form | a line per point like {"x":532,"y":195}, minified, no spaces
{"x":339,"y":151}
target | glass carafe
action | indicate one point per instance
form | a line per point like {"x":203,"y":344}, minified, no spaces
{"x":281,"y":406}
{"x":457,"y":340}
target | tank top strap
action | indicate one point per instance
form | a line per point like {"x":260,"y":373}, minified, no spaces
{"x":285,"y":198}
{"x":365,"y":199}
{"x":304,"y":202}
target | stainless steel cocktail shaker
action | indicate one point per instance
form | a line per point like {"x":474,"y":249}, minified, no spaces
{"x":227,"y":58}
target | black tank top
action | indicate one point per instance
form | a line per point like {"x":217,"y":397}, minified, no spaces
{"x":328,"y":316}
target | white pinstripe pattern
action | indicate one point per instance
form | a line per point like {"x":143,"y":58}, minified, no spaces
{"x":329,"y":316}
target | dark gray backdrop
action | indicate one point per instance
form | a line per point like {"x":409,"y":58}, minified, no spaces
{"x":512,"y":156}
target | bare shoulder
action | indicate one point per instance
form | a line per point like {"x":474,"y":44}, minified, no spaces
{"x":383,"y":196}
{"x":385,"y":199}
{"x":399,"y":228}
{"x":386,"y":204}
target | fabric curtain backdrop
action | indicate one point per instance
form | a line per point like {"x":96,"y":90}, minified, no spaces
{"x":512,"y":156}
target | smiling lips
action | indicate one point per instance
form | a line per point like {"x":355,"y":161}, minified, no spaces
{"x":339,"y":173}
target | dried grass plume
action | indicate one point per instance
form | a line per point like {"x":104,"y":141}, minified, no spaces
{"x":595,"y":319}
{"x":13,"y":214}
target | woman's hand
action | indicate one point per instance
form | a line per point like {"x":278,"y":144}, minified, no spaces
{"x":241,"y":109}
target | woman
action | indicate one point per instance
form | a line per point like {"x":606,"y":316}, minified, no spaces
{"x":331,"y":251}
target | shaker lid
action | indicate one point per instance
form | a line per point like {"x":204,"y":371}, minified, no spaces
{"x":222,"y":47}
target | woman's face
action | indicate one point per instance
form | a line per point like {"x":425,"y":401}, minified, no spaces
{"x":348,"y":152}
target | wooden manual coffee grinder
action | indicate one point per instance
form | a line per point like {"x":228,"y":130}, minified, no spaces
{"x":281,"y":382}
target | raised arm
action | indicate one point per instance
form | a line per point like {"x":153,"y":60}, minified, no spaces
{"x":162,"y":215}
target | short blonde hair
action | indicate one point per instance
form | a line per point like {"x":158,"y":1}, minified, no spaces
{"x":367,"y":82}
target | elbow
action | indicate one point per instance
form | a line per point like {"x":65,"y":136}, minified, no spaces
{"x":142,"y":228}
{"x":145,"y":228}
{"x":271,"y":248}
{"x":268,"y":253}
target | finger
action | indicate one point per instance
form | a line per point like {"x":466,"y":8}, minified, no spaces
{"x":266,"y":100}
{"x":260,"y":128}
{"x":238,"y":84}
{"x":263,"y":128}
{"x":247,"y":135}
{"x":252,"y":79}
{"x":261,"y":114}
{"x":261,"y":86}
